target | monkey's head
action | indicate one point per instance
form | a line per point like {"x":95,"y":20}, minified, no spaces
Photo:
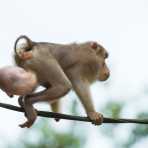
{"x":102,"y":54}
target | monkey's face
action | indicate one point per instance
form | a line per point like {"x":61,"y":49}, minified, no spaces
{"x":104,"y":71}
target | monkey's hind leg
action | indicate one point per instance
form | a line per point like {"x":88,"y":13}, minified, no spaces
{"x":21,"y":103}
{"x":30,"y":113}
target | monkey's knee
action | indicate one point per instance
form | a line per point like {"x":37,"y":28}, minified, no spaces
{"x":58,"y":91}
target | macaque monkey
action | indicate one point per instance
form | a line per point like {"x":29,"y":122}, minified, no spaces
{"x":61,"y":67}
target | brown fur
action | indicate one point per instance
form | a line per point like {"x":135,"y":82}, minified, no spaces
{"x":61,"y":67}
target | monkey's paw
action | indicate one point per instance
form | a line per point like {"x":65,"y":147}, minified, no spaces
{"x":28,"y":123}
{"x":31,"y":117}
{"x":96,"y":118}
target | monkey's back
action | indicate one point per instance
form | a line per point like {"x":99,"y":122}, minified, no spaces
{"x":71,"y":54}
{"x":79,"y":55}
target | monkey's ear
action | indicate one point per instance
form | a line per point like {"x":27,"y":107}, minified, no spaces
{"x":94,"y":45}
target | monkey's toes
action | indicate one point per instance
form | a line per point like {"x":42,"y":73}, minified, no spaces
{"x":30,"y":121}
{"x":96,"y":118}
{"x":27,"y":124}
{"x":57,"y":119}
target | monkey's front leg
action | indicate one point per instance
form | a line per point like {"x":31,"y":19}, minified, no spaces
{"x":82,"y":89}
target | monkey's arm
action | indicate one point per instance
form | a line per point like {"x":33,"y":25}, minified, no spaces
{"x":83,"y":91}
{"x":81,"y":87}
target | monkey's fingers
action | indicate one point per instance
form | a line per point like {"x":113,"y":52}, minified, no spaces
{"x":96,"y":118}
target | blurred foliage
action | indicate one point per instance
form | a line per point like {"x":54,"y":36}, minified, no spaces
{"x":44,"y":136}
{"x":138,"y":131}
{"x":111,"y":109}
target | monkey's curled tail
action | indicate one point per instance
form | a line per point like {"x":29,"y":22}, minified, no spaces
{"x":29,"y":43}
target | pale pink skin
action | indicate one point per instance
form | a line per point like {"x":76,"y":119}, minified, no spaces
{"x":16,"y":81}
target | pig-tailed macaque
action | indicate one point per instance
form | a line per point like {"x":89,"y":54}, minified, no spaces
{"x":60,"y":68}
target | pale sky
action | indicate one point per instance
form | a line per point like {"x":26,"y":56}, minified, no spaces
{"x":121,"y":26}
